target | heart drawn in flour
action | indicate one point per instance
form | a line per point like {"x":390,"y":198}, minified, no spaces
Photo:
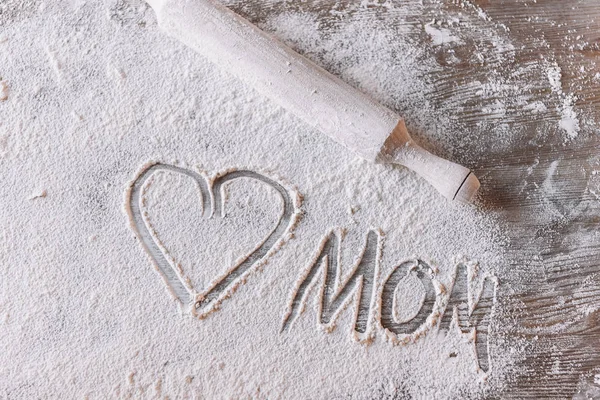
{"x":203,"y":298}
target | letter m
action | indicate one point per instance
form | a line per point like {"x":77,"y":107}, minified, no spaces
{"x":334,"y":295}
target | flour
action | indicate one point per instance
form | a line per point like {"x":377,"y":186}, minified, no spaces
{"x":569,"y":121}
{"x":3,"y":91}
{"x":96,"y":91}
{"x":439,"y":36}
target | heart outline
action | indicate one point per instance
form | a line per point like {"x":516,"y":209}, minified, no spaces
{"x":207,"y":300}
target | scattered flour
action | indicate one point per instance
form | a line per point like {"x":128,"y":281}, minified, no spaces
{"x":593,"y":184}
{"x":554,"y":77}
{"x":569,"y":121}
{"x":440,"y":36}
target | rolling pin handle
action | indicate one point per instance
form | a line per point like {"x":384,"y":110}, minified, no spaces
{"x":452,"y":180}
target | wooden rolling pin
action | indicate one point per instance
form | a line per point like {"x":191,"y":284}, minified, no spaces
{"x":322,"y":100}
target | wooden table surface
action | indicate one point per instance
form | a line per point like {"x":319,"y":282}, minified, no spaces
{"x":544,"y":186}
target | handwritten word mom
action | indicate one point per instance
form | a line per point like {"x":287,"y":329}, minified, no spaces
{"x":438,"y":309}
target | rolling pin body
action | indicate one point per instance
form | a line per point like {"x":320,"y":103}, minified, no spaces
{"x":321,"y":99}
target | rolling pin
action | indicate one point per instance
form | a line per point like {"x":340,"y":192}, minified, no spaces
{"x":322,"y":100}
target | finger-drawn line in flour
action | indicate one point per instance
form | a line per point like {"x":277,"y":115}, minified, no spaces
{"x":425,"y":274}
{"x":206,"y":301}
{"x":470,"y":309}
{"x":472,"y":312}
{"x":333,"y":300}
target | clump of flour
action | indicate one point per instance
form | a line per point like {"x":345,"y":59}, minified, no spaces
{"x":569,"y":121}
{"x":3,"y":91}
{"x":439,"y":36}
{"x":98,"y":91}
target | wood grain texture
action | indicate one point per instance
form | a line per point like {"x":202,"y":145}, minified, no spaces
{"x":544,"y":188}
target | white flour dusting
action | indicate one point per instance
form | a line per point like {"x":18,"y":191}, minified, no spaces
{"x":91,"y":92}
{"x":439,"y":36}
{"x":569,"y":121}
{"x":3,"y":90}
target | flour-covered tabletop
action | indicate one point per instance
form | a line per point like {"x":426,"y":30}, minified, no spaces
{"x":166,"y":231}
